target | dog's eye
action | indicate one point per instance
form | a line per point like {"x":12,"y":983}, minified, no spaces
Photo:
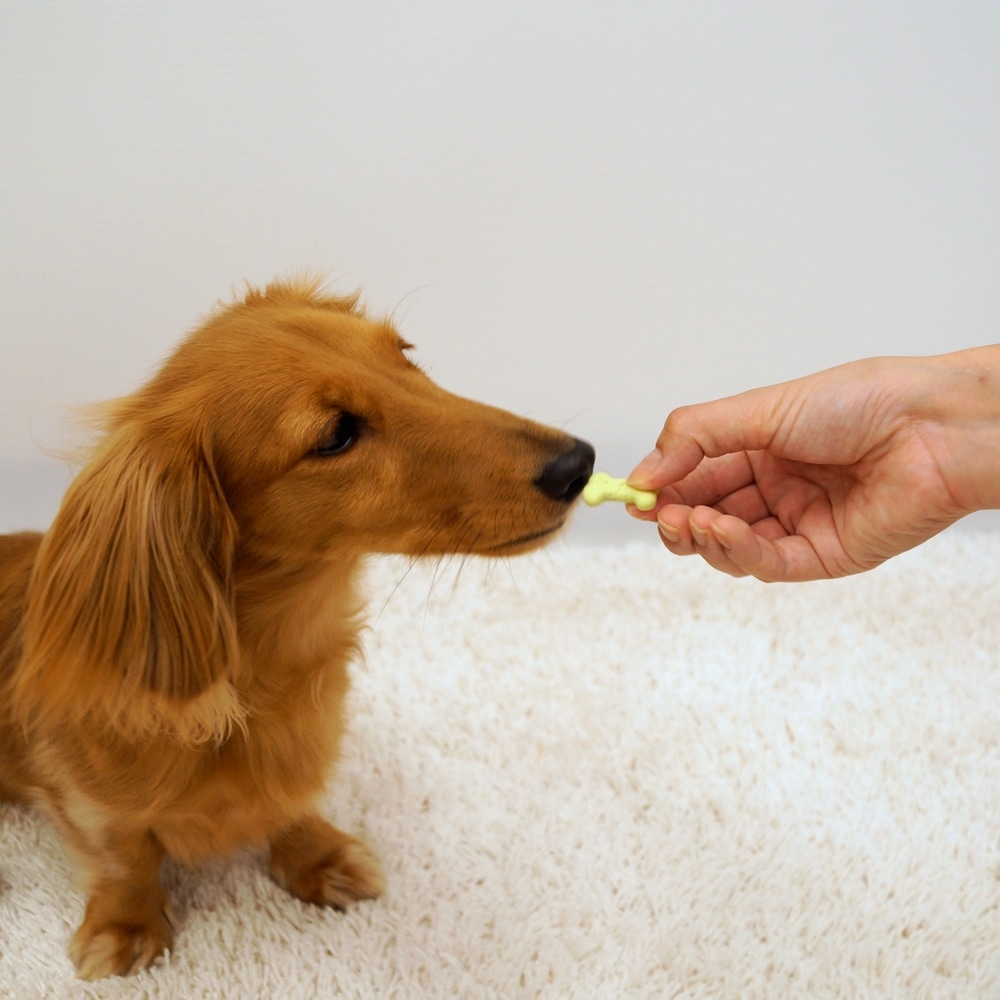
{"x":344,"y":434}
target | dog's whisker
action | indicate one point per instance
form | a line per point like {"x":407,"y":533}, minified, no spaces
{"x":459,"y":547}
{"x":430,"y":587}
{"x":413,"y":561}
{"x":467,"y":546}
{"x":461,"y":566}
{"x":412,"y":293}
{"x":510,"y":571}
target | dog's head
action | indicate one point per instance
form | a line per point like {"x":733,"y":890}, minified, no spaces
{"x":289,"y":428}
{"x":326,"y":436}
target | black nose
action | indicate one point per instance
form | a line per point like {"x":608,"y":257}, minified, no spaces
{"x":564,"y":478}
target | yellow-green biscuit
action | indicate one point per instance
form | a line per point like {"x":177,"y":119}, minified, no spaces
{"x":603,"y":487}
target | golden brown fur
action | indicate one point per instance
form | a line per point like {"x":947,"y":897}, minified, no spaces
{"x":174,"y":650}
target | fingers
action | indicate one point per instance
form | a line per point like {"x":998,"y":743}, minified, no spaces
{"x":727,"y":483}
{"x":729,"y":544}
{"x":683,"y":536}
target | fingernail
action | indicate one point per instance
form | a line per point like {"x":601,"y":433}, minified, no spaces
{"x":646,"y":468}
{"x":700,"y":535}
{"x":670,"y":533}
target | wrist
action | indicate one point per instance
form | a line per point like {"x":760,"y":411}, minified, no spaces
{"x":963,"y":405}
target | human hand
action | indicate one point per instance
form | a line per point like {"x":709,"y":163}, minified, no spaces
{"x":833,"y":473}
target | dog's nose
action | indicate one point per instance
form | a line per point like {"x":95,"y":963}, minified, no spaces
{"x":564,"y":478}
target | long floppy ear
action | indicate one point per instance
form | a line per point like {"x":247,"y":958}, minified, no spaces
{"x":130,"y":618}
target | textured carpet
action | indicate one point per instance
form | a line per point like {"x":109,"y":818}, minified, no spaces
{"x":608,"y":772}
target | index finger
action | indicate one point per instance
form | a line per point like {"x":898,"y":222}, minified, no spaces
{"x":732,"y":425}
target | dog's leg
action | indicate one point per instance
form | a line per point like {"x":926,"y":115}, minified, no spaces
{"x":318,"y":863}
{"x":126,"y":925}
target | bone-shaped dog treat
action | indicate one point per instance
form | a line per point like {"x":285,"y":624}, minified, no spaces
{"x":603,"y":487}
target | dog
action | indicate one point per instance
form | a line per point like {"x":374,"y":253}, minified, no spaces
{"x":174,"y":650}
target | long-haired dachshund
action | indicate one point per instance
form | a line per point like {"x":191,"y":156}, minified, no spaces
{"x":174,"y":650}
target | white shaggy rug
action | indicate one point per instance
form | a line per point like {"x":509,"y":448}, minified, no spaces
{"x":609,"y":772}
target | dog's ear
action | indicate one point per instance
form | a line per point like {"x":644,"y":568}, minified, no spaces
{"x":130,"y":619}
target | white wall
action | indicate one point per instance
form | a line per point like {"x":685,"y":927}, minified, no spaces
{"x":587,"y":212}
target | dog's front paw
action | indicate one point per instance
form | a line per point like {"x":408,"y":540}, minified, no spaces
{"x":121,"y":947}
{"x":349,"y":874}
{"x":319,"y":864}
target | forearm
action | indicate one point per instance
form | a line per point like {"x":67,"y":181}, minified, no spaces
{"x":956,"y":401}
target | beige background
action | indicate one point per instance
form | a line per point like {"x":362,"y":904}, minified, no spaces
{"x":586,"y":212}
